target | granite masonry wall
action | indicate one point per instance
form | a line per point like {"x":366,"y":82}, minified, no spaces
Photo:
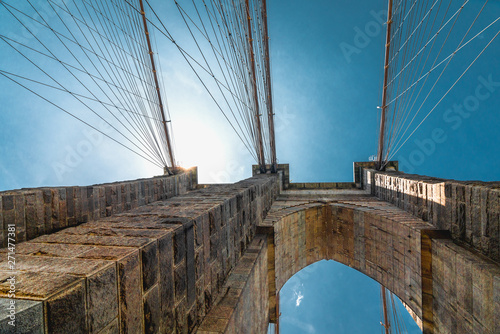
{"x":158,"y":268}
{"x":470,"y":210}
{"x":466,"y":290}
{"x":447,"y":287}
{"x":205,"y":261}
{"x":40,"y":211}
{"x":243,"y":305}
{"x":369,"y":235}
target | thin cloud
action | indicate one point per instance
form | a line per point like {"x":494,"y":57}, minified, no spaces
{"x":300,"y":296}
{"x":297,"y":293}
{"x":307,"y":328}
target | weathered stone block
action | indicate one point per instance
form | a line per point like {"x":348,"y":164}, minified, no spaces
{"x":166,"y":282}
{"x":130,"y":294}
{"x":102,"y":299}
{"x":36,"y":285}
{"x":181,"y":318}
{"x":92,"y":240}
{"x":190,"y":266}
{"x":29,"y":317}
{"x":112,"y":328}
{"x":180,"y":281}
{"x":53,"y":250}
{"x":464,"y":285}
{"x":53,"y":264}
{"x":152,"y":311}
{"x":179,"y":245}
{"x":105,"y":253}
{"x":149,"y":260}
{"x":68,"y":304}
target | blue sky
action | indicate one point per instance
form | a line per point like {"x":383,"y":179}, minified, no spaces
{"x":332,"y":121}
{"x":326,"y":117}
{"x":329,"y":297}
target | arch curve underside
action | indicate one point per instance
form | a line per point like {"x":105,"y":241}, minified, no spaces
{"x":445,"y":287}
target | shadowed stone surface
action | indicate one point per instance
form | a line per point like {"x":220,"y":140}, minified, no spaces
{"x":212,"y":260}
{"x":112,"y":328}
{"x":66,"y":310}
{"x":152,"y":311}
{"x":244,"y":303}
{"x":101,"y":298}
{"x":144,"y":271}
{"x":28,"y":317}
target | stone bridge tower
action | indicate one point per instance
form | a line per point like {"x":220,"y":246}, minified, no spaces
{"x":168,"y":255}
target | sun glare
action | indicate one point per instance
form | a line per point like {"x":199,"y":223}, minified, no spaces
{"x":197,"y":143}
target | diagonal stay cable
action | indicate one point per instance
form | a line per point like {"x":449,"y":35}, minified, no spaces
{"x":79,"y":119}
{"x":452,"y":86}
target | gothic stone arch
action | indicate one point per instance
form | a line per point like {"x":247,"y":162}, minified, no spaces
{"x":366,"y":234}
{"x":165,"y":255}
{"x":446,"y":285}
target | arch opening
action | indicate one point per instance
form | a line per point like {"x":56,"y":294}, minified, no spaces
{"x":328,"y":296}
{"x":367,"y":240}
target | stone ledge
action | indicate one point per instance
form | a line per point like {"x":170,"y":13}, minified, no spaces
{"x":322,"y":185}
{"x":39,"y":211}
{"x":358,"y":168}
{"x":284,"y":169}
{"x":156,"y":268}
{"x":470,"y":210}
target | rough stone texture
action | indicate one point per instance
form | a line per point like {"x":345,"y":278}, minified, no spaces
{"x":284,"y":169}
{"x":362,"y":232}
{"x":154,"y":269}
{"x":152,"y":311}
{"x":244,"y":304}
{"x":466,"y":290}
{"x":130,"y":294}
{"x":470,"y":210}
{"x":214,"y":259}
{"x":40,"y":211}
{"x":360,"y":167}
{"x":102,"y":295}
{"x":93,"y":301}
{"x":66,"y":311}
{"x":415,"y":259}
{"x":28,"y":317}
{"x":112,"y":328}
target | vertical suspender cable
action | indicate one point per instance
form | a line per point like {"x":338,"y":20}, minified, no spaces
{"x":260,"y":144}
{"x":380,"y":155}
{"x":270,"y":111}
{"x":169,"y":146}
{"x":384,"y":305}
